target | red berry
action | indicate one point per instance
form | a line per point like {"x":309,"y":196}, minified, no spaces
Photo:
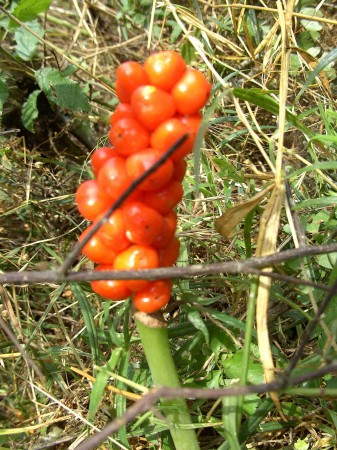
{"x":122,"y":111}
{"x":152,"y":106}
{"x":113,"y":232}
{"x":191,"y":92}
{"x":140,"y":162}
{"x":91,"y":200}
{"x":155,"y":296}
{"x":128,"y":136}
{"x":164,"y":69}
{"x":110,"y":289}
{"x":113,"y":178}
{"x":167,"y":134}
{"x":130,"y":75}
{"x":166,"y":198}
{"x":137,"y":257}
{"x":169,"y":255}
{"x":141,"y":222}
{"x":96,"y":250}
{"x":100,"y":157}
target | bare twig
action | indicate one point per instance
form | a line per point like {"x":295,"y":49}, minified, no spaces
{"x":145,"y":403}
{"x":248,"y":266}
{"x":71,"y":257}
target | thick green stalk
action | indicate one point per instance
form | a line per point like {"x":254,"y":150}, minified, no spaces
{"x":154,"y":337}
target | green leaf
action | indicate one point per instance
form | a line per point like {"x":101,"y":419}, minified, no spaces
{"x":327,"y":261}
{"x":71,"y":96}
{"x":176,"y":32}
{"x":320,"y":202}
{"x":301,"y":445}
{"x":262,"y":98}
{"x":26,"y":43}
{"x":325,"y":139}
{"x":188,"y":52}
{"x":248,"y":427}
{"x":27,"y":10}
{"x":311,"y":25}
{"x":219,"y":340}
{"x":325,"y":165}
{"x":30,"y":111}
{"x":325,"y":61}
{"x":232,"y":366}
{"x":62,"y":91}
{"x":100,"y":383}
{"x":197,"y":321}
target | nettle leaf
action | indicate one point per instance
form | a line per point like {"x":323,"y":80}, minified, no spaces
{"x":30,"y":112}
{"x":71,"y":96}
{"x":28,"y":10}
{"x":64,"y":92}
{"x":26,"y":43}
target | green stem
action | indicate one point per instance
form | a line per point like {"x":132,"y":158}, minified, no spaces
{"x":154,"y":337}
{"x":248,"y":340}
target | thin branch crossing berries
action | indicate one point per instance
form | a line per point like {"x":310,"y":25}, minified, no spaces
{"x":160,"y":102}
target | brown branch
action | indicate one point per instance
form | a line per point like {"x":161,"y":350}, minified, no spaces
{"x":145,"y":403}
{"x":71,"y":257}
{"x":247,"y":266}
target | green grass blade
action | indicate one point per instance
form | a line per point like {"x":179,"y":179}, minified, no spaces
{"x":320,"y":202}
{"x":229,"y":410}
{"x":325,"y":61}
{"x":100,"y":383}
{"x":262,"y":98}
{"x":326,"y":165}
{"x":88,"y":319}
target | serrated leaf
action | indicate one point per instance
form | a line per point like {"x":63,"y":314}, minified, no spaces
{"x":27,"y":10}
{"x":26,"y":43}
{"x":64,"y":92}
{"x":49,"y":77}
{"x":30,"y":112}
{"x":71,"y":96}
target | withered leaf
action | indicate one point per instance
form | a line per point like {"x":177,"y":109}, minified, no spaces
{"x":225,"y":224}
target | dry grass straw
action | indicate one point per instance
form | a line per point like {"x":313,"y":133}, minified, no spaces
{"x":270,"y":220}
